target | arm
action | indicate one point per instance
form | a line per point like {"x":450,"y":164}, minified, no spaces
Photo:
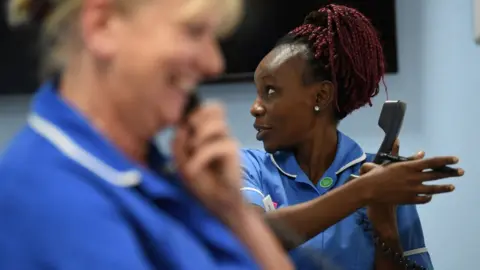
{"x":411,"y":236}
{"x":308,"y":219}
{"x":251,"y":229}
{"x":313,"y":217}
{"x":409,"y":241}
{"x":384,"y":221}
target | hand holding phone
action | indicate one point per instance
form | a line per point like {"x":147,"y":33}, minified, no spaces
{"x":207,"y":159}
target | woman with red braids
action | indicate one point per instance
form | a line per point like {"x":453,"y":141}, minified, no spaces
{"x":317,"y":75}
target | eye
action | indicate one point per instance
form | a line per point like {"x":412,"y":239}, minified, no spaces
{"x":196,"y":30}
{"x":270,"y":91}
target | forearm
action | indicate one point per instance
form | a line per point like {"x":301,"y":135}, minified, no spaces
{"x":388,"y":234}
{"x":306,"y":220}
{"x":251,"y":229}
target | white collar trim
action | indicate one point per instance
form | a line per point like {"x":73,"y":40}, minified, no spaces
{"x":67,"y":146}
{"x":346,"y":166}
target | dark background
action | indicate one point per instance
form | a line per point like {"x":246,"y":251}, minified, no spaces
{"x":266,"y":21}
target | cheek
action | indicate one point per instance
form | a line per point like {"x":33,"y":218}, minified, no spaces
{"x":294,"y":122}
{"x":143,"y":75}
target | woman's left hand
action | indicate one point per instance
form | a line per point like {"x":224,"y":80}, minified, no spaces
{"x":384,"y":216}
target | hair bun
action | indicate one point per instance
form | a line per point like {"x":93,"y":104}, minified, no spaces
{"x":25,"y":12}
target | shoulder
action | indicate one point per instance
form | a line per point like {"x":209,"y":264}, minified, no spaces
{"x":32,"y":172}
{"x":254,"y":159}
{"x":39,"y":184}
{"x":251,"y":154}
{"x":54,"y":210}
{"x":28,"y":158}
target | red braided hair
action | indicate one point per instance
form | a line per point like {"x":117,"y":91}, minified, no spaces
{"x":348,"y":49}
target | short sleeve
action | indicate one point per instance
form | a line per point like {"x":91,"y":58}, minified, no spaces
{"x":411,"y":235}
{"x":75,"y":227}
{"x":252,"y":186}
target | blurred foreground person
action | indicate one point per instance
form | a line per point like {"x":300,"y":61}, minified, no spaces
{"x":82,"y":187}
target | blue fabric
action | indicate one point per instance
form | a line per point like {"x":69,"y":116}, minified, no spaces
{"x":348,"y":244}
{"x":58,"y":214}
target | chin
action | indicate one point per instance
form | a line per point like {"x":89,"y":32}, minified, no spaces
{"x":270,"y":148}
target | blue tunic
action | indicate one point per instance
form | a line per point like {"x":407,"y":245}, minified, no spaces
{"x":69,"y":199}
{"x":276,"y":181}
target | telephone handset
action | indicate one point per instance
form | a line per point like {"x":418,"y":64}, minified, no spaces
{"x":192,"y":104}
{"x":390,"y":121}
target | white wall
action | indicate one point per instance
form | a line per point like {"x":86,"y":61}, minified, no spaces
{"x":439,"y":78}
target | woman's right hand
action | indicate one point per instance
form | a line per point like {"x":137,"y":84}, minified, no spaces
{"x":403,"y":182}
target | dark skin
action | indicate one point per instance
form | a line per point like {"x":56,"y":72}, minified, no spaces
{"x":284,"y":98}
{"x":384,"y":221}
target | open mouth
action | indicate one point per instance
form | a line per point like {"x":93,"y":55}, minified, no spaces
{"x":184,"y":83}
{"x":262,"y":131}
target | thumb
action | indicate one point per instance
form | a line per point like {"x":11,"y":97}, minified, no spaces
{"x":396,"y":147}
{"x":419,"y":155}
{"x":366,"y":167}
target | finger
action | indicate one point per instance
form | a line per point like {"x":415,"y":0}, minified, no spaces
{"x":366,"y":167}
{"x":436,"y":175}
{"x":421,"y":199}
{"x":435,"y":189}
{"x":432,"y":163}
{"x":211,"y":130}
{"x":206,"y":114}
{"x":396,"y":147}
{"x":417,"y":156}
{"x":179,"y":146}
{"x":204,"y":157}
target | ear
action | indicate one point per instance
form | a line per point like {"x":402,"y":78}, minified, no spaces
{"x":96,"y":27}
{"x":324,"y":94}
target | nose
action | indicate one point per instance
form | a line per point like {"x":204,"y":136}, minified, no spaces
{"x":211,"y":60}
{"x":257,"y":109}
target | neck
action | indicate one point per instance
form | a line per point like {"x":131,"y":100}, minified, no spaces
{"x":85,"y":90}
{"x":316,"y":155}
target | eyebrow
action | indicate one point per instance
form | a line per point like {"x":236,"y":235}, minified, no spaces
{"x":266,"y":76}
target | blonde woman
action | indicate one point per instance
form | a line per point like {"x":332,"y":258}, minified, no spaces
{"x":81,"y":187}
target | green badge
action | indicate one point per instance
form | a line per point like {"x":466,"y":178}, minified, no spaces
{"x":326,"y":182}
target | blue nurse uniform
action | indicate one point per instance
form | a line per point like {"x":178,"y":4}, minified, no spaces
{"x":276,"y":180}
{"x":70,"y":200}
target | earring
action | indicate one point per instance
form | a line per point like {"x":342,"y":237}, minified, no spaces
{"x":317,"y":108}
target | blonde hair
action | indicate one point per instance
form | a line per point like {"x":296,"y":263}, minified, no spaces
{"x":60,"y":22}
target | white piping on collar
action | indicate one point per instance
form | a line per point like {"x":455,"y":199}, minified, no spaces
{"x":280,"y":168}
{"x":67,"y":146}
{"x":346,"y":166}
{"x":351,"y":163}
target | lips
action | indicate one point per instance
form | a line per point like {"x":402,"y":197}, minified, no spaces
{"x":262,"y":131}
{"x":185,"y":82}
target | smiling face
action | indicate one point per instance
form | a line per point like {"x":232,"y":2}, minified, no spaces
{"x":164,"y":54}
{"x":154,"y":53}
{"x":284,"y":108}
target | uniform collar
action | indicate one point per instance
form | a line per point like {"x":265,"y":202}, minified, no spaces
{"x":73,"y":135}
{"x":349,"y":153}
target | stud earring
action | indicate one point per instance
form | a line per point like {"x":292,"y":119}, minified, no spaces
{"x":317,"y":108}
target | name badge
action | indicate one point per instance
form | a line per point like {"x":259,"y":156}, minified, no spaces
{"x":268,"y":203}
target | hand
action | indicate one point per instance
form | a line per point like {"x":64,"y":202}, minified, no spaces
{"x":207,"y":158}
{"x":385,"y":213}
{"x":403,"y":182}
{"x":383,"y":216}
